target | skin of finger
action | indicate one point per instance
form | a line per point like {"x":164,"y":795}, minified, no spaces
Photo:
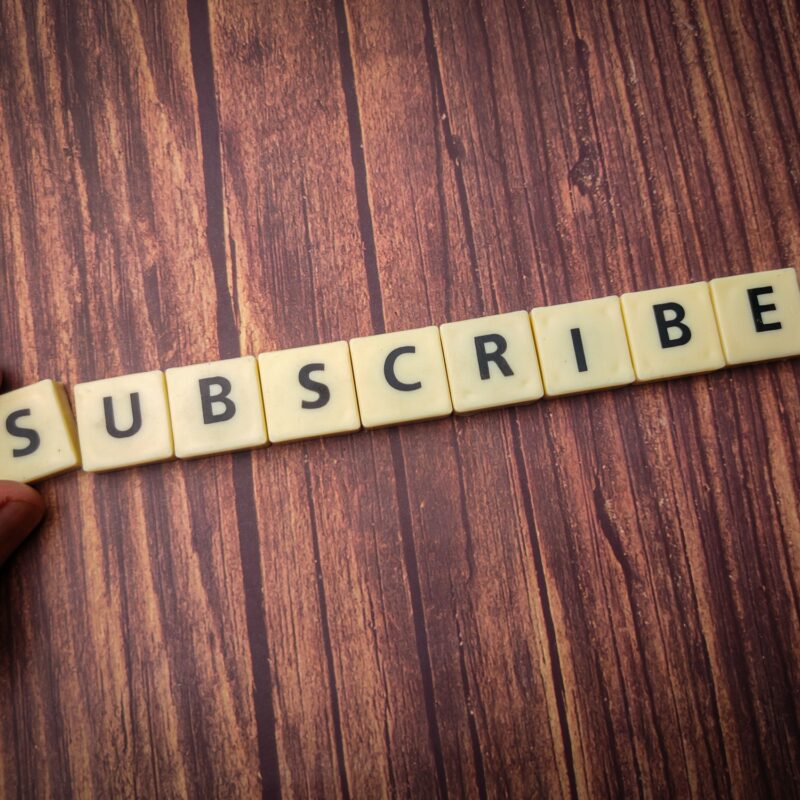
{"x":21,"y":509}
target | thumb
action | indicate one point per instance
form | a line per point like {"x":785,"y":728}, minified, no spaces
{"x":21,"y":508}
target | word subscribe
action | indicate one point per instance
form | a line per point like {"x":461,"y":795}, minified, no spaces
{"x":393,"y":378}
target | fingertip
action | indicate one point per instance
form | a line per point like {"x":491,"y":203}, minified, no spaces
{"x":14,"y":492}
{"x":21,"y":510}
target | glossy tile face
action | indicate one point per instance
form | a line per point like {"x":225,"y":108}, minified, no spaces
{"x":216,"y":407}
{"x":758,"y":315}
{"x":123,"y":421}
{"x":37,"y":433}
{"x":672,"y":331}
{"x":309,"y":391}
{"x":400,"y":377}
{"x":491,"y":361}
{"x":582,"y":346}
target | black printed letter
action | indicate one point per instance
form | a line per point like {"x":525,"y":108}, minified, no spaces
{"x":323,"y":392}
{"x":388,"y":370}
{"x":221,"y":397}
{"x":496,"y":355}
{"x":26,"y":433}
{"x":577,"y":346}
{"x":664,"y":324}
{"x":136,"y":417}
{"x":759,"y":308}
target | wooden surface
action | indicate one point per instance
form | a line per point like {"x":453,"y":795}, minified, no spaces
{"x":595,"y":596}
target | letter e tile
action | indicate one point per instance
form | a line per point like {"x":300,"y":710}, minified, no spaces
{"x":758,"y":315}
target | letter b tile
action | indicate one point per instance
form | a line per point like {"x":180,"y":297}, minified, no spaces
{"x":400,"y":377}
{"x":672,"y":331}
{"x":37,"y":433}
{"x":216,"y":407}
{"x":123,"y":421}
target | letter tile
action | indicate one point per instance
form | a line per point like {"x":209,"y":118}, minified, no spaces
{"x":123,"y":421}
{"x":400,"y":377}
{"x":491,"y":361}
{"x":309,"y":391}
{"x":672,"y":331}
{"x":37,"y":433}
{"x":216,"y":407}
{"x":758,"y":315}
{"x":582,"y":346}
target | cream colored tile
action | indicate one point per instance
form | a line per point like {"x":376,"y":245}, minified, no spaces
{"x":37,"y":433}
{"x":309,"y":391}
{"x":491,"y":361}
{"x":216,"y":407}
{"x":400,"y":377}
{"x":123,"y":421}
{"x":672,"y":331}
{"x":758,"y":315}
{"x":582,"y":346}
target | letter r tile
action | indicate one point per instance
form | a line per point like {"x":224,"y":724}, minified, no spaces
{"x":400,"y":377}
{"x":491,"y":361}
{"x":216,"y":407}
{"x":123,"y":421}
{"x":672,"y":331}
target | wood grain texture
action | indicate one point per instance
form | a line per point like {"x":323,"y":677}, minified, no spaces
{"x":594,"y":596}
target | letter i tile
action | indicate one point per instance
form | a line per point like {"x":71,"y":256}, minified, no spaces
{"x":582,"y":346}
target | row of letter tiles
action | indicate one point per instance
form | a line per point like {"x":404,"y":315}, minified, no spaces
{"x":393,"y":378}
